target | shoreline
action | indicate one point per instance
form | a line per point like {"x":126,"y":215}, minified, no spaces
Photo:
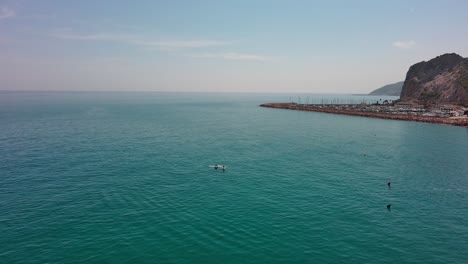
{"x":331,"y":109}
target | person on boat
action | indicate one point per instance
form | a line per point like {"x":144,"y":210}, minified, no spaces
{"x":216,"y":166}
{"x":388,"y":184}
{"x":223,"y":168}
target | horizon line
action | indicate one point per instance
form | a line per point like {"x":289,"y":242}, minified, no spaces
{"x":146,"y":91}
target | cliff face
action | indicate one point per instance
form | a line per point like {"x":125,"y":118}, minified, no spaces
{"x":442,"y":79}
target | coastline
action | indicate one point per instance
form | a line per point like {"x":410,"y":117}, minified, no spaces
{"x":331,"y":109}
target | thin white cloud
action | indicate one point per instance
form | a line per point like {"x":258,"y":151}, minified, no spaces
{"x":39,"y":17}
{"x":183,"y":44}
{"x":136,"y":40}
{"x":97,"y":37}
{"x":232,"y":56}
{"x":6,"y":12}
{"x":404,"y":44}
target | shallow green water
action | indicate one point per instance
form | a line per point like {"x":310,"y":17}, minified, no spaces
{"x":124,"y":178}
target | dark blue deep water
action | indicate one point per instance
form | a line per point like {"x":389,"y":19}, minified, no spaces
{"x":124,"y":178}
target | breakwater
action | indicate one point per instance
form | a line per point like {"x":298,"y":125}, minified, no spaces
{"x":376,"y":111}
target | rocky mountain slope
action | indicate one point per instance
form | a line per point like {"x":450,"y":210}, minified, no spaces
{"x":442,"y":79}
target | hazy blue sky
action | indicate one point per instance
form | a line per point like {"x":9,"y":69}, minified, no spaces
{"x":245,"y":46}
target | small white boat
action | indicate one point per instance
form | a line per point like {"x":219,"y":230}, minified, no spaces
{"x":218,"y":167}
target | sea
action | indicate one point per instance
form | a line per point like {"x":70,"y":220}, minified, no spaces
{"x":124,"y":177}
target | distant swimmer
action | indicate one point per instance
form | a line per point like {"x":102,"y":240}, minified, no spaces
{"x":389,"y":206}
{"x":388,"y":184}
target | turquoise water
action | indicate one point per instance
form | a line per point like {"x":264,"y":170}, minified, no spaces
{"x":124,"y":178}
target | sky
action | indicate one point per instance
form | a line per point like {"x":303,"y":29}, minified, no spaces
{"x":223,"y":46}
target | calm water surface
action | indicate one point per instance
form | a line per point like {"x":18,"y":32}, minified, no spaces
{"x":124,"y":178}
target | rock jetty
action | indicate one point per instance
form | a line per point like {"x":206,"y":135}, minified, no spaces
{"x":442,"y":114}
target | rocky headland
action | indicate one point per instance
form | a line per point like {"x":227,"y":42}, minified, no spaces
{"x":393,"y":89}
{"x":443,"y":79}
